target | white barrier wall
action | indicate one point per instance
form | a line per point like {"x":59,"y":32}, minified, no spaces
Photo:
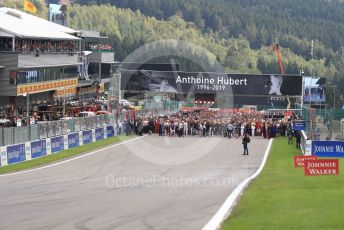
{"x":3,"y":153}
{"x":48,"y":145}
{"x":65,"y":142}
{"x":93,"y":135}
{"x":81,"y":142}
{"x":306,"y":145}
{"x":28,"y":151}
{"x":308,"y":148}
{"x":105,"y":134}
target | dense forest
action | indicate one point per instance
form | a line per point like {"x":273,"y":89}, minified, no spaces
{"x":239,"y":33}
{"x":261,"y":23}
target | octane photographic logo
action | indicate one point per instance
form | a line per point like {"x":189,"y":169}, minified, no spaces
{"x":185,"y":150}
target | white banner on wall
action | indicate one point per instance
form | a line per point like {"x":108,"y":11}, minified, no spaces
{"x":93,"y":135}
{"x":105,"y":133}
{"x":308,"y":149}
{"x":81,"y":142}
{"x":65,"y":141}
{"x":28,"y":151}
{"x":3,"y":153}
{"x":48,"y":144}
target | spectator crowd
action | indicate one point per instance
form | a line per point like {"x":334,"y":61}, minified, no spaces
{"x":43,"y":46}
{"x":210,"y":124}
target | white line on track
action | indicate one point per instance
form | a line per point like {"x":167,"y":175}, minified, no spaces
{"x":223,"y":212}
{"x":69,"y":160}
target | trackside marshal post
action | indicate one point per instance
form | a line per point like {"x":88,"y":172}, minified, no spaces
{"x":321,"y":167}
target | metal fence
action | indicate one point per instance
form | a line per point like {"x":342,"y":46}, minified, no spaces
{"x":157,"y":108}
{"x":323,"y":123}
{"x":16,"y":135}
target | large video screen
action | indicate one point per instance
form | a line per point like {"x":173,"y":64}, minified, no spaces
{"x":314,"y":89}
{"x":188,"y":82}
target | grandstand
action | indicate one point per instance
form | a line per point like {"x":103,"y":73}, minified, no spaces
{"x":50,"y":63}
{"x":39,"y":59}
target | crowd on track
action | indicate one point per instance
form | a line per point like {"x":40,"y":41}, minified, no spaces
{"x":210,"y":124}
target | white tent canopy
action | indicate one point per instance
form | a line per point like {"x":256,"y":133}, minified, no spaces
{"x":4,"y":34}
{"x":23,"y":25}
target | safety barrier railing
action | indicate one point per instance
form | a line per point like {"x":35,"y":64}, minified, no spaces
{"x":16,"y":135}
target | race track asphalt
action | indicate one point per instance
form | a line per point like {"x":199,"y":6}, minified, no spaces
{"x":149,"y":183}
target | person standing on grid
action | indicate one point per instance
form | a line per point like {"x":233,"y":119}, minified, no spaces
{"x":245,"y":141}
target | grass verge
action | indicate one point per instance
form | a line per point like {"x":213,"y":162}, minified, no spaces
{"x":283,"y":198}
{"x":62,"y":155}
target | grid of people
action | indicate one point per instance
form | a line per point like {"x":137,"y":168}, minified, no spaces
{"x":232,"y":124}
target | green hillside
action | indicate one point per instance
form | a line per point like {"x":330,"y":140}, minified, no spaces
{"x":294,"y":22}
{"x":260,"y":23}
{"x":130,"y":30}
